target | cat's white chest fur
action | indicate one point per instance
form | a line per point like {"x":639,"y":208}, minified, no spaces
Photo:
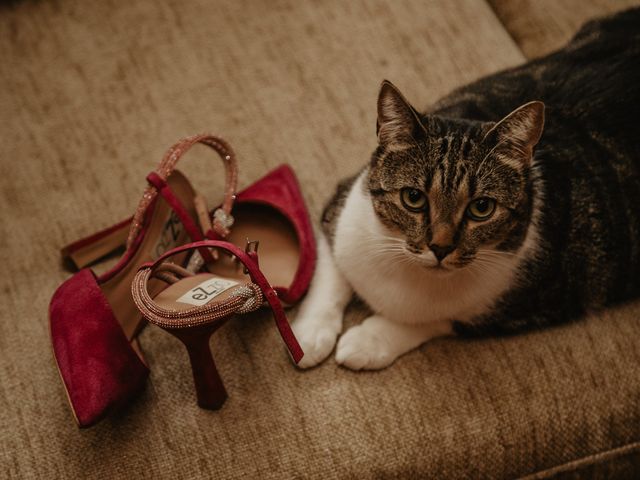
{"x":411,"y":303}
{"x":416,"y":296}
{"x":393,"y":286}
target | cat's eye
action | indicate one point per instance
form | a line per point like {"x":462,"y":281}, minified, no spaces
{"x":481,"y":209}
{"x":413,"y":199}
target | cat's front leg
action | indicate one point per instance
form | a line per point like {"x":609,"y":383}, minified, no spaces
{"x":377,"y":342}
{"x":319,"y":320}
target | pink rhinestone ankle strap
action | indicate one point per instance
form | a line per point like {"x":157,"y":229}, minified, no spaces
{"x":243,"y":299}
{"x":221,"y":221}
{"x":252,"y":296}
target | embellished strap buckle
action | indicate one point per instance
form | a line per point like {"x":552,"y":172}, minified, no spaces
{"x":222,"y":222}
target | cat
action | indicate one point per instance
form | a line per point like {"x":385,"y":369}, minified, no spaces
{"x":513,"y":203}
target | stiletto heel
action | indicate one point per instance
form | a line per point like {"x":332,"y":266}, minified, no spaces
{"x":193,"y":306}
{"x":209,"y":387}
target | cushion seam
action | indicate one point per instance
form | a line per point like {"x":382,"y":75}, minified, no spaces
{"x":585,"y":461}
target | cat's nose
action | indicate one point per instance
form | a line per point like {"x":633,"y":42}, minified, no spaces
{"x":441,"y":251}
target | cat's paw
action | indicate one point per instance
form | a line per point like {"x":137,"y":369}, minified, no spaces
{"x":365,"y":347}
{"x":317,"y":339}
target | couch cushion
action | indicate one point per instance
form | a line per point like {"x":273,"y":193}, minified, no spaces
{"x":93,"y":92}
{"x":541,"y":26}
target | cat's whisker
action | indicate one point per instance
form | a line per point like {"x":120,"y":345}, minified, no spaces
{"x":395,"y":239}
{"x":473,"y":272}
{"x":496,"y":253}
{"x":380,"y":252}
{"x":385,"y":250}
{"x":380,"y":245}
{"x":497,"y":260}
{"x":491,"y":266}
{"x":381,"y":248}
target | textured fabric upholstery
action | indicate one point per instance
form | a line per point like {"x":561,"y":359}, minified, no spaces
{"x":92,"y":94}
{"x":541,"y":26}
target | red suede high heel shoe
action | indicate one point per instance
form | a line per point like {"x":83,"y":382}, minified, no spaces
{"x":93,"y":320}
{"x":95,"y":342}
{"x":277,"y":193}
{"x":194,"y":306}
{"x":270,"y":213}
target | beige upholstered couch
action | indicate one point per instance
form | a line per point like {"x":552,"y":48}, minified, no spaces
{"x":91,"y":93}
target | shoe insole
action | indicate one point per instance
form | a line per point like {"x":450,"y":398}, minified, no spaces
{"x":198,"y":290}
{"x":97,"y":249}
{"x":164,"y":232}
{"x":278,"y":256}
{"x":279,"y":250}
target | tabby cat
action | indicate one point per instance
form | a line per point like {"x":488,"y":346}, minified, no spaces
{"x":513,"y":203}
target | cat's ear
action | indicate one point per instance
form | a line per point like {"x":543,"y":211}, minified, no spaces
{"x":398,"y":122}
{"x":519,"y":131}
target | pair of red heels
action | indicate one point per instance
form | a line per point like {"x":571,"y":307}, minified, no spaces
{"x":95,"y":320}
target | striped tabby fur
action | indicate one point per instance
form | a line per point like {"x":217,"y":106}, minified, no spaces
{"x":564,"y":237}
